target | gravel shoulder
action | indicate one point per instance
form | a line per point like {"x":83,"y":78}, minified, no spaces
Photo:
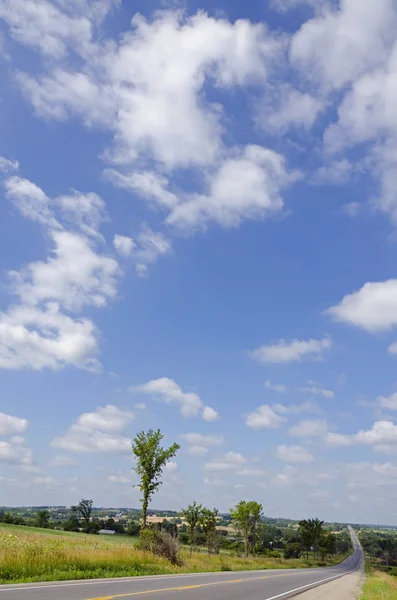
{"x":348,"y":587}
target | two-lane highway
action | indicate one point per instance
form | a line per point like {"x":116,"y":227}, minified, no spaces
{"x":237,"y":585}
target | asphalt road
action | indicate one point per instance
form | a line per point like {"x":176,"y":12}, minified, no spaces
{"x":236,"y":585}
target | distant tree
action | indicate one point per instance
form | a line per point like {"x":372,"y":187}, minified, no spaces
{"x":8,"y":518}
{"x":246,"y":518}
{"x":71,"y":524}
{"x":192,"y":515}
{"x":310,"y":531}
{"x":42,"y":519}
{"x":208,"y":522}
{"x":133,"y":528}
{"x":151,"y":458}
{"x":84,"y":509}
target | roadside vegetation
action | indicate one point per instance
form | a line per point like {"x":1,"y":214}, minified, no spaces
{"x":379,"y":585}
{"x":197,"y":539}
{"x":42,"y":555}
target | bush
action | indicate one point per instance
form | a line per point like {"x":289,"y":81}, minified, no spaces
{"x":133,"y":528}
{"x":293,"y":550}
{"x":161,"y":544}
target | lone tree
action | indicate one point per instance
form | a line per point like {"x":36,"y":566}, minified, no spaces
{"x":151,"y":458}
{"x":310,"y":531}
{"x":84,"y":508}
{"x":208,"y":522}
{"x":246,"y":518}
{"x":192,"y":515}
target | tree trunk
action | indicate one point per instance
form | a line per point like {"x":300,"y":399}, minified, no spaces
{"x":246,"y":547}
{"x":144,"y":512}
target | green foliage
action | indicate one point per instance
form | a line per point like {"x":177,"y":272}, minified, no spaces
{"x":133,"y":528}
{"x":246,"y":518}
{"x":43,"y":519}
{"x":161,"y":544}
{"x":151,"y":458}
{"x":311,"y":531}
{"x":84,"y":509}
{"x":192,"y":515}
{"x":293,"y":550}
{"x":72,"y":524}
{"x":208,"y":522}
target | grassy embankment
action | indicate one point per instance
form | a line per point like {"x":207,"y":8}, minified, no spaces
{"x":29,"y":554}
{"x":379,"y":586}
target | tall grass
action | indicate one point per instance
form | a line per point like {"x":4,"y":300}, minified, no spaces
{"x":378,"y":586}
{"x":40,"y":556}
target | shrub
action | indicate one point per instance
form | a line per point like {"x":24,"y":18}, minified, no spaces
{"x":161,"y":544}
{"x":293,"y":550}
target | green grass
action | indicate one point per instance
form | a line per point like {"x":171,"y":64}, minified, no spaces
{"x":379,"y":586}
{"x":29,"y":554}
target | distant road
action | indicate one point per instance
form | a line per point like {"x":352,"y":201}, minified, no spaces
{"x":235,"y":585}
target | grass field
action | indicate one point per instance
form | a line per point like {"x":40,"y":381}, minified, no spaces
{"x":379,"y":586}
{"x":31,"y":554}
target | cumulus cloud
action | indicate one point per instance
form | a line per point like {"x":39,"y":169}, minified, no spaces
{"x":381,"y":433}
{"x":97,"y":432}
{"x":15,"y":454}
{"x":315,"y":390}
{"x":210,"y":414}
{"x":7,"y":165}
{"x":310,"y":428}
{"x":263,"y":417}
{"x":373,"y":307}
{"x":230,"y":461}
{"x":294,"y":351}
{"x":10,"y":425}
{"x":37,"y":333}
{"x":388,"y":402}
{"x":145,"y":249}
{"x":294,"y":454}
{"x":168,"y":391}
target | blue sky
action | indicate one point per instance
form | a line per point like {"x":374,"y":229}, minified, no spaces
{"x":197,"y":233}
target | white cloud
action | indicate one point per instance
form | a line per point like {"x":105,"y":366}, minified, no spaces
{"x":310,"y":428}
{"x":36,"y":333}
{"x":291,"y":108}
{"x":42,"y":25}
{"x":230,"y":461}
{"x":361,"y":32}
{"x":120,"y":479}
{"x":10,"y":425}
{"x":294,"y":454}
{"x":198,"y":439}
{"x":147,"y":89}
{"x":388,"y":402}
{"x":168,"y":391}
{"x":144,"y":250}
{"x":210,"y":414}
{"x":38,"y":339}
{"x":313,"y":389}
{"x":97,"y":432}
{"x":148,"y":184}
{"x":7,"y":165}
{"x":30,"y":200}
{"x":294,"y":351}
{"x":15,"y":454}
{"x":214,"y":481}
{"x":370,"y":475}
{"x":245,"y":187}
{"x":296,"y":409}
{"x":263,"y":417}
{"x":382,"y":433}
{"x":197,"y":450}
{"x":280,"y":388}
{"x":373,"y":307}
{"x":246,"y":472}
{"x":124,"y":245}
{"x":86,"y":211}
{"x":75,"y":276}
{"x":338,"y":172}
{"x":62,"y":461}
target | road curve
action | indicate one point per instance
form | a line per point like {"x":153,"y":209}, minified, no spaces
{"x":236,"y":585}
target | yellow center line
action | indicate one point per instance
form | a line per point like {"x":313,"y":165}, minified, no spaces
{"x":178,"y":589}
